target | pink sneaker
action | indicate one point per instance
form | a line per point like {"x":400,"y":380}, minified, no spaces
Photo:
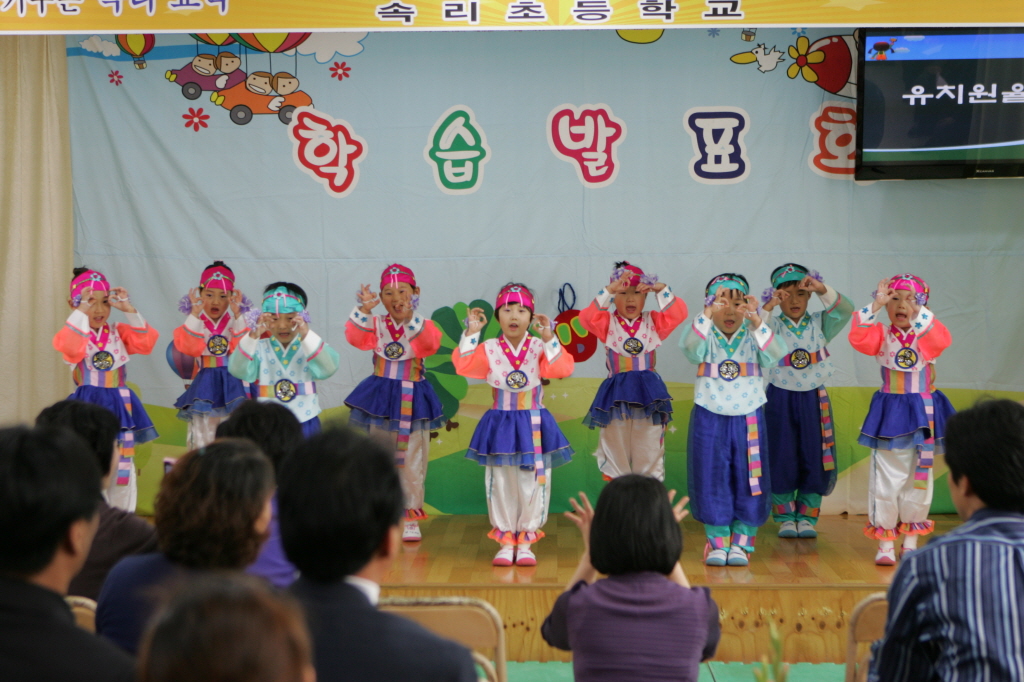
{"x":505,"y":556}
{"x":525,"y":556}
{"x":885,"y":557}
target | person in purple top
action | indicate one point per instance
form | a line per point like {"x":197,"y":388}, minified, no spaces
{"x":277,"y":432}
{"x":644,"y":621}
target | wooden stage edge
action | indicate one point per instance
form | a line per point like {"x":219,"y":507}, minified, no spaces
{"x":808,"y":588}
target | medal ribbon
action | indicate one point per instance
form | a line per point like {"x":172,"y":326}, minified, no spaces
{"x":217,"y":328}
{"x":101,"y":340}
{"x":753,"y":455}
{"x":395,"y":331}
{"x":828,"y":438}
{"x":516,"y":359}
{"x":631,"y":328}
{"x":926,"y":451}
{"x":538,"y":449}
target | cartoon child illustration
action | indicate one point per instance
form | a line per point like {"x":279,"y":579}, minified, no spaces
{"x":228,"y":64}
{"x":204,"y":64}
{"x":285,"y":83}
{"x":259,"y":82}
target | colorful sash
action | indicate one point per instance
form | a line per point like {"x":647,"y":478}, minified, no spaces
{"x":523,"y":400}
{"x":828,"y":439}
{"x":801,"y":359}
{"x":617,"y":364}
{"x":743,"y":369}
{"x":753,"y":454}
{"x":538,"y":450}
{"x":99,"y":378}
{"x":287,"y":388}
{"x":408,"y":372}
{"x":207,"y":361}
{"x":127,"y":439}
{"x":926,"y":451}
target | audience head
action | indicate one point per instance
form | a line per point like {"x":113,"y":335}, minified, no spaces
{"x":49,"y":496}
{"x":634,"y":528}
{"x":985,"y":455}
{"x":339,"y":502}
{"x":227,"y":628}
{"x":96,"y":425}
{"x":273,"y":427}
{"x":213,"y":508}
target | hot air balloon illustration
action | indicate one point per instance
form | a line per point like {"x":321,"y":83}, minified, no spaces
{"x":215,"y":39}
{"x":265,"y":92}
{"x":136,"y":45}
{"x":830,"y":63}
{"x":182,"y":365}
{"x":270,"y":42}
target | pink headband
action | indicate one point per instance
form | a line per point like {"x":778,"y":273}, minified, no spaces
{"x":909,"y":282}
{"x":514,"y":293}
{"x":634,"y":280}
{"x":395,"y":274}
{"x":217,"y":277}
{"x":89,"y":279}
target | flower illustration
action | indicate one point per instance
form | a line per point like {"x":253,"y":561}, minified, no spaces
{"x":340,"y":71}
{"x":713,"y":32}
{"x":799,"y":31}
{"x":115,"y":77}
{"x":195,"y":118}
{"x":802,"y":59}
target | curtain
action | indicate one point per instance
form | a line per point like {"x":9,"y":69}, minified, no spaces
{"x":36,"y":225}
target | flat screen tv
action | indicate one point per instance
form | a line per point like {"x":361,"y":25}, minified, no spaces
{"x":940,"y":103}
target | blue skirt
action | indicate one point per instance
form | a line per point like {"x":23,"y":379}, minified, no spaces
{"x":213,"y":392}
{"x":311,"y":427}
{"x":639,"y":395}
{"x":505,"y":438}
{"x":377,"y":401}
{"x":138,"y":421}
{"x":793,"y":420}
{"x":897,"y":421}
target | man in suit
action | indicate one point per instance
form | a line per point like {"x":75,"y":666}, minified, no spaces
{"x":120,"y":533}
{"x":340,"y":504}
{"x":49,"y":498}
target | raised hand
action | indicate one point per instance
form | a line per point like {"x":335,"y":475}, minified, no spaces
{"x":197,"y":301}
{"x":778,"y":296}
{"x":301,"y":328}
{"x":262,"y":325}
{"x":368,"y":299}
{"x":749,"y":310}
{"x":87,"y":300}
{"x":235,"y":302}
{"x":679,"y":508}
{"x":621,"y":284}
{"x":882,"y":295}
{"x":476,"y":322}
{"x":644,"y":288}
{"x":543,"y":324}
{"x":582,"y":516}
{"x":808,"y":283}
{"x":119,"y":300}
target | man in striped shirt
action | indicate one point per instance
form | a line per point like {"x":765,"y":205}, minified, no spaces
{"x":956,"y":607}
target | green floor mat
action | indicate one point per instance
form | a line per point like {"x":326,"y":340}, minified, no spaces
{"x":709,"y":672}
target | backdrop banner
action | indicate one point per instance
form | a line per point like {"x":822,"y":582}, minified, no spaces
{"x":541,"y":157}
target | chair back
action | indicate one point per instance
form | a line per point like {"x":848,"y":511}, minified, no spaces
{"x":866,"y":625}
{"x":473,"y":623}
{"x":85,"y":612}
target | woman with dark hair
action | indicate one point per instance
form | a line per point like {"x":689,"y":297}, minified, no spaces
{"x":643,"y":621}
{"x":227,"y":628}
{"x":212,"y":512}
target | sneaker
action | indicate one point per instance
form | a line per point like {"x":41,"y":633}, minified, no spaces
{"x":505,"y":556}
{"x":904,"y":551}
{"x":737,"y":556}
{"x":525,"y":556}
{"x":885,"y":557}
{"x":411,"y":532}
{"x":787,"y":529}
{"x":805,"y":529}
{"x":716,"y":557}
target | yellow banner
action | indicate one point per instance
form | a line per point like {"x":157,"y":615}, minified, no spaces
{"x":155,"y":16}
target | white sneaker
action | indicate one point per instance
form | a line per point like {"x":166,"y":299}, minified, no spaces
{"x":885,"y":557}
{"x":805,"y":529}
{"x":411,"y":532}
{"x":525,"y":556}
{"x":505,"y":556}
{"x":737,"y":556}
{"x":787,"y":529}
{"x":715,"y":557}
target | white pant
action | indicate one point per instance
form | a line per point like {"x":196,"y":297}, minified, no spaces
{"x":414,"y":473}
{"x":202,"y":430}
{"x":515,"y":502}
{"x":892,"y":497}
{"x":123,"y":496}
{"x":630,"y":446}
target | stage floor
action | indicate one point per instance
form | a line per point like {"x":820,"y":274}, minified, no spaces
{"x":807,"y":587}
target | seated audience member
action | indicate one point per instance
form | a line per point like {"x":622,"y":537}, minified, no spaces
{"x":341,"y":502}
{"x":956,"y":607}
{"x":227,"y":628}
{"x":212,"y":512}
{"x":277,"y":432}
{"x":644,"y":621}
{"x":120,"y":533}
{"x":49,"y":497}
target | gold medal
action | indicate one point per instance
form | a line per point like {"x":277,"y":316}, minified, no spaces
{"x":799,"y":359}
{"x":394,"y":350}
{"x":217,"y":345}
{"x":102,"y":360}
{"x":517,"y":379}
{"x":729,"y":370}
{"x":285,"y":391}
